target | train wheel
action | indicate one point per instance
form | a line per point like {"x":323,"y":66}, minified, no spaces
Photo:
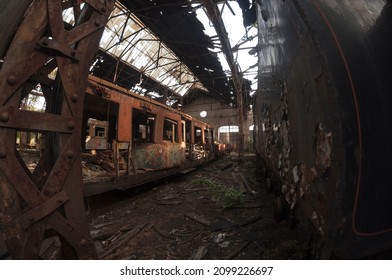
{"x":46,"y":201}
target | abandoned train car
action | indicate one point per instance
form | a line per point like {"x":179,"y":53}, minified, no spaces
{"x":146,"y":140}
{"x":323,"y":120}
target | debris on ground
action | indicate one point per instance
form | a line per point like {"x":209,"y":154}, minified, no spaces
{"x":186,"y":219}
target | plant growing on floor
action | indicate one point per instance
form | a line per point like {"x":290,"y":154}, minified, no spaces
{"x":203,"y":182}
{"x":224,"y":196}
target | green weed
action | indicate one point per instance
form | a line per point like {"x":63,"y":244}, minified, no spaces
{"x":224,"y":196}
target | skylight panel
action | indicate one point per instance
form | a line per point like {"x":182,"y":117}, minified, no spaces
{"x":137,"y":46}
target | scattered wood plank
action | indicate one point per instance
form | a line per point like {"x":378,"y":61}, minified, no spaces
{"x":174,"y":202}
{"x":250,"y":221}
{"x":52,"y":251}
{"x":188,"y":233}
{"x":149,"y":227}
{"x":225,"y":165}
{"x":238,"y":251}
{"x":200,"y":253}
{"x":164,"y":233}
{"x":106,"y":233}
{"x":98,"y":246}
{"x":239,"y":182}
{"x":98,"y":226}
{"x":168,"y":196}
{"x":120,"y":242}
{"x":121,"y":251}
{"x":245,"y":184}
{"x":216,"y":226}
{"x":168,"y":199}
{"x":185,"y":171}
{"x":114,"y":237}
{"x":200,"y":219}
{"x":194,"y":190}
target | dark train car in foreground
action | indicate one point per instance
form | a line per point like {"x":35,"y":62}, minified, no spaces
{"x":143,"y":140}
{"x":323,"y":119}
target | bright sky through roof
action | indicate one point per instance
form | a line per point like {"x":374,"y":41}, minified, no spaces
{"x":237,"y":33}
{"x":143,"y":56}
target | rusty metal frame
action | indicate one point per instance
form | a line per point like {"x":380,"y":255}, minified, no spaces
{"x":51,"y":198}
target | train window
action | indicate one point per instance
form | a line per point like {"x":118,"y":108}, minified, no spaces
{"x":142,"y":126}
{"x":100,"y":131}
{"x":198,"y":135}
{"x":170,"y":130}
{"x":183,"y":131}
{"x":97,"y":134}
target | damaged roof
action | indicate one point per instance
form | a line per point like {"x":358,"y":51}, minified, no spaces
{"x":196,"y":68}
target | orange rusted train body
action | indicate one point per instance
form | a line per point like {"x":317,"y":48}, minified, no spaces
{"x":147,"y":140}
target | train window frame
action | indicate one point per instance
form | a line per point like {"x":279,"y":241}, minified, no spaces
{"x":170,"y":128}
{"x":183,"y":129}
{"x":198,"y":138}
{"x":143,"y":126}
{"x":100,"y":131}
{"x":97,"y":134}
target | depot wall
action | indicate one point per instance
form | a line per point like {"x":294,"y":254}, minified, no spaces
{"x":219,"y":114}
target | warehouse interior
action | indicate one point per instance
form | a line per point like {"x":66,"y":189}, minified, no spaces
{"x":250,"y":124}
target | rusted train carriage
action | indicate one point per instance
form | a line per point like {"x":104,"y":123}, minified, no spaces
{"x":323,"y":119}
{"x":146,"y":139}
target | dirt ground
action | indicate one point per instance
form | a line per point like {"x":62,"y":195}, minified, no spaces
{"x":220,"y":211}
